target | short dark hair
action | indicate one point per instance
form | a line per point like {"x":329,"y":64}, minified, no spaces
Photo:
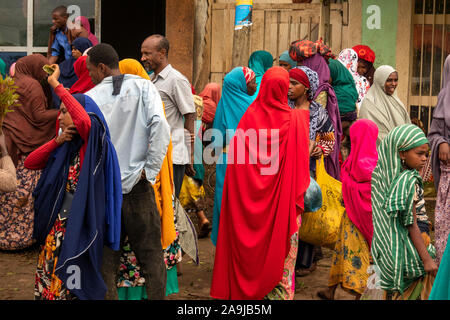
{"x":62,"y":10}
{"x":163,"y":43}
{"x":104,"y":53}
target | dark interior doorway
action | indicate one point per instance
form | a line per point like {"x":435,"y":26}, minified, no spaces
{"x":125,"y":24}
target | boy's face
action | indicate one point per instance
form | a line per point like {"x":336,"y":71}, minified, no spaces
{"x":58,"y":20}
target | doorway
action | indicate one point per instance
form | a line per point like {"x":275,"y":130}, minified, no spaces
{"x":125,"y":24}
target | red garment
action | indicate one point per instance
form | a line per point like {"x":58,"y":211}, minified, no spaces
{"x":84,"y":82}
{"x":258,"y":217}
{"x":37,"y":160}
{"x":211,"y":96}
{"x":300,"y":76}
{"x":365,"y":53}
{"x":356,"y":175}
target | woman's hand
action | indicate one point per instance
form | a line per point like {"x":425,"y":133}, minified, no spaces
{"x":53,"y":79}
{"x":430,"y":267}
{"x":317,"y":152}
{"x":444,"y":152}
{"x":66,"y":135}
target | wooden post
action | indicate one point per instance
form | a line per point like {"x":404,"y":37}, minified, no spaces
{"x":241,"y":47}
{"x":324,"y":29}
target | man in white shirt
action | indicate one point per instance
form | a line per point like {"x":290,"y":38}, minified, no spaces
{"x":176,"y":93}
{"x":140,"y":133}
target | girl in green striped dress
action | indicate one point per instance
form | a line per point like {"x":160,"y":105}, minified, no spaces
{"x":404,"y":260}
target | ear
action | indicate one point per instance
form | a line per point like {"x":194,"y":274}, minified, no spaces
{"x":402,"y":155}
{"x":103,"y":68}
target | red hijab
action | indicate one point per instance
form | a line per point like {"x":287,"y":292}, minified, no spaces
{"x":84,"y":83}
{"x":211,"y":96}
{"x":357,"y":174}
{"x":258,"y":217}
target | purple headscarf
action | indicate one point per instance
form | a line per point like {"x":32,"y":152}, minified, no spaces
{"x":440,"y":126}
{"x":318,"y":64}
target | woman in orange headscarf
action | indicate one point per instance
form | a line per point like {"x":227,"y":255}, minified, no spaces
{"x":164,"y":193}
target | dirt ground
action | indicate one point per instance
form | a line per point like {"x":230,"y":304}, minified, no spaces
{"x":17,"y":268}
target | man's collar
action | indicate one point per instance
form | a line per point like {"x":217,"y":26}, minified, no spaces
{"x":165,"y":72}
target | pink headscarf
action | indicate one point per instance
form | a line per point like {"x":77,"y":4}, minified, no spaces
{"x":356,"y":176}
{"x":85,"y":24}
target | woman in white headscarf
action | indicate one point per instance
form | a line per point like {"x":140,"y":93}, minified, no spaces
{"x":349,"y":58}
{"x":382,"y":105}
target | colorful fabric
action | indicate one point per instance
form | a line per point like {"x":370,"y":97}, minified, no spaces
{"x":260,"y":61}
{"x":356,"y":176}
{"x":393,"y":190}
{"x":68,"y":75}
{"x":442,"y":216}
{"x":351,"y":259}
{"x":365,"y":53}
{"x":313,"y":78}
{"x":286,"y":58}
{"x":440,"y":126}
{"x":2,"y":68}
{"x":17,"y":210}
{"x":48,"y":286}
{"x":349,"y":59}
{"x":84,"y":82}
{"x":303,"y":49}
{"x":285,"y":290}
{"x":192,"y":194}
{"x":344,"y":87}
{"x":441,"y":286}
{"x":211,"y":96}
{"x":33,"y":124}
{"x":232,"y":106}
{"x":386,"y":111}
{"x":259,"y":218}
{"x":248,"y":74}
{"x":300,"y":76}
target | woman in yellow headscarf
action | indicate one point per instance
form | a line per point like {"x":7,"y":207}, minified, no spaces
{"x":164,"y":196}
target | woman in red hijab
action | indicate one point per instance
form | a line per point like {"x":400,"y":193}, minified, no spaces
{"x":84,"y":83}
{"x":258,"y":231}
{"x":211,"y":96}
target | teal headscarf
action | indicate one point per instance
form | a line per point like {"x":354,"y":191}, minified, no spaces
{"x":260,"y":62}
{"x":344,"y":86}
{"x":232,"y":106}
{"x":287,"y":58}
{"x":2,"y":68}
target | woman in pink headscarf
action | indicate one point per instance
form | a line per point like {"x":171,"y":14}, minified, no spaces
{"x":85,"y":24}
{"x":352,"y":251}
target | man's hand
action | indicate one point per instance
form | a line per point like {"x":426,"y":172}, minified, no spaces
{"x":444,"y":152}
{"x":66,"y":135}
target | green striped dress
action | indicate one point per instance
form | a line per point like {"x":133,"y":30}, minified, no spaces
{"x":393,"y":190}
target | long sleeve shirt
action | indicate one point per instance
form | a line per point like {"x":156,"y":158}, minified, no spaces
{"x":139,"y":130}
{"x":39,"y":157}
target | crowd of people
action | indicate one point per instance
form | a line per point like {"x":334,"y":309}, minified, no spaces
{"x":101,"y":166}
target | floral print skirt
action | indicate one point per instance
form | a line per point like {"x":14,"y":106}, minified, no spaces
{"x":351,"y":259}
{"x":47,"y":285}
{"x":17,"y":210}
{"x":285,"y":290}
{"x":442,"y":213}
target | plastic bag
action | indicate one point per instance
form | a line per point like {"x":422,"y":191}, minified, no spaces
{"x":313,"y":197}
{"x":321,"y":228}
{"x":373,"y":290}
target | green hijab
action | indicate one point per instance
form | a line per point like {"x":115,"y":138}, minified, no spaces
{"x":344,"y":86}
{"x":2,"y":68}
{"x":393,"y":190}
{"x":260,"y":62}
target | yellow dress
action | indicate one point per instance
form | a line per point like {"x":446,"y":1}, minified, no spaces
{"x":351,"y":259}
